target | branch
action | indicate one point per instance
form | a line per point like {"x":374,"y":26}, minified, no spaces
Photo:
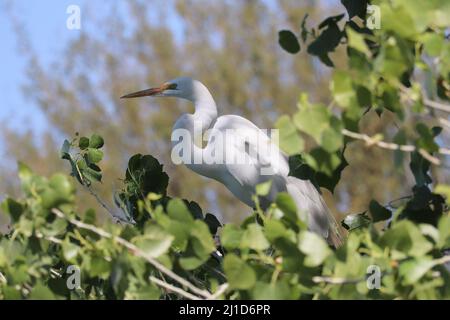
{"x":222,"y":288}
{"x":445,"y":259}
{"x":173,"y":289}
{"x":2,"y":278}
{"x":137,"y":252}
{"x":114,"y":217}
{"x":427,"y":102}
{"x":436,"y":105}
{"x":331,"y":280}
{"x":393,"y":146}
{"x":444,"y":122}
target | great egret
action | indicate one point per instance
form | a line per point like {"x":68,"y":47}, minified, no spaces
{"x":241,"y":177}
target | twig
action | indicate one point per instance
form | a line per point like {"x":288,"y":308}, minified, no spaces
{"x":222,"y":288}
{"x":427,"y":102}
{"x":436,"y":105}
{"x":331,"y":280}
{"x":137,"y":252}
{"x":173,"y":289}
{"x":2,"y":278}
{"x":443,"y":260}
{"x":444,"y":122}
{"x":115,"y":217}
{"x":393,"y":146}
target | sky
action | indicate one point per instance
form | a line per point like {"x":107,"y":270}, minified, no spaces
{"x":44,"y":21}
{"x":45,"y":24}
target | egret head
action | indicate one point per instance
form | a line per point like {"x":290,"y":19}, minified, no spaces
{"x":183,"y":87}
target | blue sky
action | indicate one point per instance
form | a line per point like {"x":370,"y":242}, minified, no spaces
{"x":45,"y":24}
{"x":45,"y":21}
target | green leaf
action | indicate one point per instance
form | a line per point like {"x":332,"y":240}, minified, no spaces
{"x":426,"y":140}
{"x":96,"y":141}
{"x":155,"y":242}
{"x":239,"y":274}
{"x":288,"y":41}
{"x":94,"y":155}
{"x":41,"y":292}
{"x":323,"y":161}
{"x":356,"y":41}
{"x":91,"y":174}
{"x":13,"y":208}
{"x":271,"y":291}
{"x":412,"y":270}
{"x":83,"y":143}
{"x":397,"y":19}
{"x":70,"y":250}
{"x":342,"y":89}
{"x":315,"y":248}
{"x":275,"y":229}
{"x":25,"y":175}
{"x":200,"y":231}
{"x":404,"y":238}
{"x":299,"y":168}
{"x":230,"y":237}
{"x":290,"y":140}
{"x":178,"y":211}
{"x":263,"y":189}
{"x":318,"y":122}
{"x":378,"y":212}
{"x":254,"y":238}
{"x":433,"y":43}
{"x":287,"y":205}
{"x":65,"y":150}
{"x":63,"y":186}
{"x":444,"y":231}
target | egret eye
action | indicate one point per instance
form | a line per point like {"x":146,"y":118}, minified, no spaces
{"x":172,"y":86}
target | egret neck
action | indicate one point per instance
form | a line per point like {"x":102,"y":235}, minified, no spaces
{"x":196,"y":124}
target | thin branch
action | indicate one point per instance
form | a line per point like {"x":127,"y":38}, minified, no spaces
{"x":443,"y":260}
{"x":427,"y":102}
{"x":222,"y":288}
{"x":115,"y":217}
{"x":331,"y":280}
{"x":2,"y":278}
{"x":393,"y":146}
{"x":173,"y":289}
{"x":137,"y":252}
{"x":444,"y":122}
{"x":436,"y":105}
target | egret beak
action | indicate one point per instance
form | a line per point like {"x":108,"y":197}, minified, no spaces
{"x":147,"y":92}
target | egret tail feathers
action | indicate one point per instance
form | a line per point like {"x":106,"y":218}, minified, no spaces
{"x":320,"y":219}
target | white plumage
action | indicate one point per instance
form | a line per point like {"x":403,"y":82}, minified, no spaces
{"x":236,"y":138}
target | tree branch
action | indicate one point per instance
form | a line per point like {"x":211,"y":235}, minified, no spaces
{"x":436,"y":105}
{"x":137,"y":252}
{"x":393,"y":146}
{"x":427,"y":102}
{"x":222,"y":288}
{"x":331,"y":280}
{"x":173,"y":289}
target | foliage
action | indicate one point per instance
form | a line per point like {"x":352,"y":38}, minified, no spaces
{"x":167,"y":248}
{"x":270,"y":256}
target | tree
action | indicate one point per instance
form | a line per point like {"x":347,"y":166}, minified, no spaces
{"x":79,"y":91}
{"x":164,"y":247}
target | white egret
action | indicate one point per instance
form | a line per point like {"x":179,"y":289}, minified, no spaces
{"x":241,"y":177}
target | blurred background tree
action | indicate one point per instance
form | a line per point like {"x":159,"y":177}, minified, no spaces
{"x":231,"y":46}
